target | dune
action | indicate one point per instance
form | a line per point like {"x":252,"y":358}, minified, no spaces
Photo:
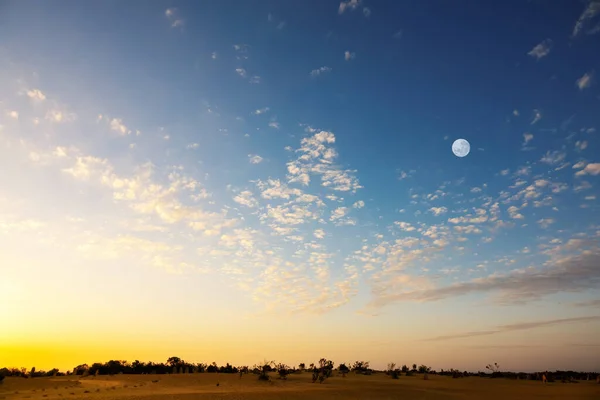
{"x":297,"y":386}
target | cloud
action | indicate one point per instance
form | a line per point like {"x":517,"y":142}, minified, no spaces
{"x":241,"y":72}
{"x":590,"y":169}
{"x":359,"y":204}
{"x":116,"y":124}
{"x":542,"y":49}
{"x":366,"y":11}
{"x":553,"y":157}
{"x":255,"y":159}
{"x":319,"y":233}
{"x":192,"y":146}
{"x":592,"y":9}
{"x":36,"y":94}
{"x":585,"y":81}
{"x":214,"y":55}
{"x":438,"y":210}
{"x":317,"y":157}
{"x":527,"y":137}
{"x":172,"y":15}
{"x":13,"y":114}
{"x":246,"y":198}
{"x":406,"y":174}
{"x":349,"y":56}
{"x":260,"y":111}
{"x":274,"y":124}
{"x":581,"y":145}
{"x":255,"y":79}
{"x":397,"y":35}
{"x":319,"y":71}
{"x":576,"y":272}
{"x":516,"y":327}
{"x":537,"y":115}
{"x":58,"y":116}
{"x":588,"y":303}
{"x":348,"y":5}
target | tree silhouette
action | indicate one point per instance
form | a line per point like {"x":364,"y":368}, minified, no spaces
{"x":174,"y":361}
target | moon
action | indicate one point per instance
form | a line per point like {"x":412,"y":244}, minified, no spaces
{"x":461,"y":147}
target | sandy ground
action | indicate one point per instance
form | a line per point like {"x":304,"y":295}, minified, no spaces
{"x":298,"y":386}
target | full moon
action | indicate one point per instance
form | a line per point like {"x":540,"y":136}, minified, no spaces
{"x":461,"y":147}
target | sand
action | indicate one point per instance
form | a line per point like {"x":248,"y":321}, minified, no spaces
{"x":298,"y":386}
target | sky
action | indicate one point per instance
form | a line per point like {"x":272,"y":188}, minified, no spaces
{"x":235,"y":181}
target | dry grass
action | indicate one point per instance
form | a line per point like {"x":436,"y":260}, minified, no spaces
{"x":298,"y":386}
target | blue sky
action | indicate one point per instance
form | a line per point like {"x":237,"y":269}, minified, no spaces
{"x":293,"y":160}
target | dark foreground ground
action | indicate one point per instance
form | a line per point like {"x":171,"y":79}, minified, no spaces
{"x":298,"y":386}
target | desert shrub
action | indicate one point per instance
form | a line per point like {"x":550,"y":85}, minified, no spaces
{"x":264,"y":368}
{"x":282,"y":370}
{"x":409,"y":373}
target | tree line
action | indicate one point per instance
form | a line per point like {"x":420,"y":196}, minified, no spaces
{"x":321,"y":370}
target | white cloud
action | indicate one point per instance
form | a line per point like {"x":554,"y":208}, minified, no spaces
{"x":349,"y":56}
{"x":255,"y":79}
{"x":542,"y":49}
{"x":438,"y":210}
{"x":319,"y":233}
{"x":274,"y":124}
{"x":592,"y":9}
{"x":581,"y":144}
{"x":553,"y":157}
{"x":527,"y":137}
{"x":36,"y":94}
{"x":516,"y":113}
{"x":172,"y":15}
{"x":241,"y":72}
{"x":537,"y":115}
{"x":13,"y":114}
{"x":590,"y":169}
{"x":58,"y":116}
{"x":585,"y":81}
{"x":545,"y":222}
{"x":260,"y":111}
{"x":246,"y":198}
{"x":319,"y":71}
{"x":214,"y":55}
{"x":348,"y":4}
{"x":359,"y":204}
{"x":116,"y":124}
{"x":192,"y":146}
{"x":255,"y":159}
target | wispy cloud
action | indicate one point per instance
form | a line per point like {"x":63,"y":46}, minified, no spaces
{"x":576,"y":272}
{"x":255,"y":159}
{"x":541,"y":50}
{"x":319,"y":71}
{"x":517,"y":327}
{"x":590,"y":12}
{"x":348,"y":5}
{"x":260,"y":111}
{"x":173,"y":16}
{"x":585,"y":81}
{"x":241,"y":72}
{"x":537,"y":115}
{"x":349,"y":56}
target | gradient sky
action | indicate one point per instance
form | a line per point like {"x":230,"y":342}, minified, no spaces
{"x":232,"y":181}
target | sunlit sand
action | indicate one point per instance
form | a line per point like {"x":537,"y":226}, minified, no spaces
{"x":297,"y":386}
